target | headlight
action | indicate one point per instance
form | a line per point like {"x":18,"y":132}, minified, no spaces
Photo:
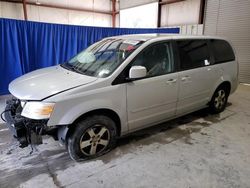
{"x":37,"y":110}
{"x":22,"y":103}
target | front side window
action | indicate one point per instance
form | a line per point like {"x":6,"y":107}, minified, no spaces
{"x":157,"y":59}
{"x":222,"y":51}
{"x":102,"y":58}
{"x":193,"y":54}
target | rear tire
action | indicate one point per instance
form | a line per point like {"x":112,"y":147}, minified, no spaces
{"x":92,"y":137}
{"x":219,"y":100}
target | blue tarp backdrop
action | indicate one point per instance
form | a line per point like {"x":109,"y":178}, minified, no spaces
{"x":27,"y":46}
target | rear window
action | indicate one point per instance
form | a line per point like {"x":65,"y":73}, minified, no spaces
{"x":193,"y":54}
{"x":222,"y":51}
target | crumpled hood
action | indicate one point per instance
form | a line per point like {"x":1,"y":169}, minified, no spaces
{"x":42,"y":83}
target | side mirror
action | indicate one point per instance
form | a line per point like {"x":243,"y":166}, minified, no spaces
{"x":136,"y":72}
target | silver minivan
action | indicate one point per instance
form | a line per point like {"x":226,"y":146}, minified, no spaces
{"x":119,"y":85}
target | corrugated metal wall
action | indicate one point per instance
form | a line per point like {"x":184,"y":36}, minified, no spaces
{"x":194,"y":29}
{"x":231,"y":19}
{"x":61,"y":16}
{"x":180,"y":13}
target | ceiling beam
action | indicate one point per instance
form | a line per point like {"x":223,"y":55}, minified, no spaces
{"x":170,"y":2}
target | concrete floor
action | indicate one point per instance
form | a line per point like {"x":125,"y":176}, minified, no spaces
{"x":198,"y":150}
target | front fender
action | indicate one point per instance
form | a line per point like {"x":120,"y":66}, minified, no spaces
{"x":63,"y":117}
{"x":69,"y":108}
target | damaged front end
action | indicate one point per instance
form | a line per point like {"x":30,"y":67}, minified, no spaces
{"x":26,"y":131}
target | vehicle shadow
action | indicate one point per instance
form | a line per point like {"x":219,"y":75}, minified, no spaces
{"x":165,"y":133}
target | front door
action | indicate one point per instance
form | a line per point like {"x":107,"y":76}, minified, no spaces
{"x":153,"y":99}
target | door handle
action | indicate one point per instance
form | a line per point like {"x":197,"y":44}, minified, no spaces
{"x":171,"y":81}
{"x":185,"y":78}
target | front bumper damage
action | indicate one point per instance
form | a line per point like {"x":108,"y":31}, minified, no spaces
{"x":25,"y":130}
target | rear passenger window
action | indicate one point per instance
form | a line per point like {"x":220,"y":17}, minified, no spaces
{"x":193,"y":54}
{"x":222,"y":51}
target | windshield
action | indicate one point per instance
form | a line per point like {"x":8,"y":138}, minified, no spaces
{"x":102,"y":58}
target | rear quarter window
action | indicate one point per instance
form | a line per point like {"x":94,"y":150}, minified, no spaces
{"x":193,"y":53}
{"x":222,"y":51}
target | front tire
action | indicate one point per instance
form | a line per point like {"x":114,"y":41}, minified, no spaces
{"x":92,"y":137}
{"x":219,"y":100}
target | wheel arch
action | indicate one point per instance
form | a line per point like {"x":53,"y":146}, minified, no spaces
{"x":65,"y":131}
{"x":225,"y":84}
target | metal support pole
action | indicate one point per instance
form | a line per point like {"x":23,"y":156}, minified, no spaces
{"x":113,"y":12}
{"x":25,"y":10}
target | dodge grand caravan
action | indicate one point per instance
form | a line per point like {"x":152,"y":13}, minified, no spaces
{"x":119,"y":85}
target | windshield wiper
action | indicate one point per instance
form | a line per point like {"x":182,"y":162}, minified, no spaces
{"x":71,"y":67}
{"x":66,"y":65}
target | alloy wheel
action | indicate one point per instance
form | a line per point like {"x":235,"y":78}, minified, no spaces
{"x":94,"y":140}
{"x":220,"y":99}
